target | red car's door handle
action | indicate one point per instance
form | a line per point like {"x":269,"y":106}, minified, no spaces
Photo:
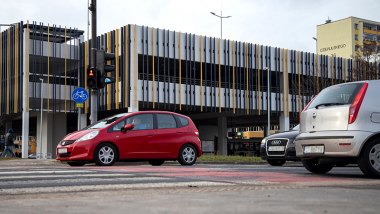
{"x":179,"y":132}
{"x":150,"y":134}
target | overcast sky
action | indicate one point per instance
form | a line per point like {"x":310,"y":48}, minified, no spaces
{"x":280,"y":23}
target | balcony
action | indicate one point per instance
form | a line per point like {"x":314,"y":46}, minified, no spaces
{"x":370,"y":32}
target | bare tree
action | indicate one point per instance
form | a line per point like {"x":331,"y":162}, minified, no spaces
{"x":366,"y":59}
{"x":310,"y":86}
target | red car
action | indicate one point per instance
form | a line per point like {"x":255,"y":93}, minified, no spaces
{"x":154,"y":136}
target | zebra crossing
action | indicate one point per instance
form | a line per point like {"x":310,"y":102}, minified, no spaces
{"x":32,"y":180}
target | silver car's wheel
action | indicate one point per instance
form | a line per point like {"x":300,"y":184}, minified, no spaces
{"x":374,"y":157}
{"x":187,"y":155}
{"x":105,"y":155}
{"x":369,"y":159}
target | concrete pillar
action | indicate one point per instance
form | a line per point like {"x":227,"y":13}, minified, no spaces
{"x":222,"y":135}
{"x":59,"y":131}
{"x":284,"y":123}
{"x":54,"y":128}
{"x":134,"y":108}
{"x":134,"y":104}
{"x":25,"y":134}
{"x":25,"y":111}
{"x":47,"y":132}
{"x":82,"y":121}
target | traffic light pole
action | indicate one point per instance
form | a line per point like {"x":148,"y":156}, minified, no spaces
{"x":94,"y":92}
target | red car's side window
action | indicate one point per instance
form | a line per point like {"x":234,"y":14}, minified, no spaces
{"x":166,"y":121}
{"x":184,"y":121}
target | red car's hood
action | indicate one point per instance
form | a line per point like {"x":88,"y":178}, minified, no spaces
{"x":76,"y":135}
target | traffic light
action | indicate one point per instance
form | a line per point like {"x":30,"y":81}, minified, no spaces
{"x":101,"y":64}
{"x":92,"y":78}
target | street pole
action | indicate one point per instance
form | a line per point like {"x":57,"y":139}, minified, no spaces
{"x":80,"y":109}
{"x":88,"y":21}
{"x":221,"y":22}
{"x":316,"y":45}
{"x":269,"y":97}
{"x":94,"y":92}
{"x":42,"y":82}
{"x":221,"y":25}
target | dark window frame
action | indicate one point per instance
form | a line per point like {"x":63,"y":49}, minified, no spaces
{"x":188,"y":123}
{"x":177,"y":125}
{"x":154,"y":119}
{"x":110,"y":129}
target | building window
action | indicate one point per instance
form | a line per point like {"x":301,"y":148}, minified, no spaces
{"x":356,"y":37}
{"x":356,"y":48}
{"x":367,"y":27}
{"x":356,"y":26}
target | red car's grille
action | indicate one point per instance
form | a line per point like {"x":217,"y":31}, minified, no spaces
{"x":64,"y":155}
{"x":66,"y":142}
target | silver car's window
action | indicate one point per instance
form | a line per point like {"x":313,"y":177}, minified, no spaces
{"x":337,"y":95}
{"x":296,"y":128}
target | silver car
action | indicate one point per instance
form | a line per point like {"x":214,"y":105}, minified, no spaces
{"x":341,"y":125}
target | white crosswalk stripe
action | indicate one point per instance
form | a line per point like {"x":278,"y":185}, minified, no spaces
{"x":31,"y":181}
{"x":43,"y":172}
{"x":61,"y":176}
{"x":15,"y":191}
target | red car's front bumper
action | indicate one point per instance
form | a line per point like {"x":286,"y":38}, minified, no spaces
{"x":83,"y":150}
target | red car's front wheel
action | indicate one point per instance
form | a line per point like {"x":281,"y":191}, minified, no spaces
{"x":105,"y":154}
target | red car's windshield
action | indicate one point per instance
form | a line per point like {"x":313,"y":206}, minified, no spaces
{"x":106,"y":122}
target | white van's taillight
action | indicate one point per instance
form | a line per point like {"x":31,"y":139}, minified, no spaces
{"x":354,"y":108}
{"x":196,"y":132}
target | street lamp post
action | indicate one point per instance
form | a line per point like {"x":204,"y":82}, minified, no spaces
{"x":221,"y":18}
{"x":316,"y":47}
{"x":269,"y":97}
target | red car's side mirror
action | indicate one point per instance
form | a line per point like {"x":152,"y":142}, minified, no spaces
{"x":128,"y":127}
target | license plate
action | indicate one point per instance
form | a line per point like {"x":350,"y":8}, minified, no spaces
{"x":314,"y":149}
{"x":276,"y":148}
{"x":62,"y":151}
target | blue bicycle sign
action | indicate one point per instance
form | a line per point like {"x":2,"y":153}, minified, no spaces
{"x":79,"y":95}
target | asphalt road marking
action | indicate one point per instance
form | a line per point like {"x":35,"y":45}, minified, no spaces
{"x":84,"y":181}
{"x":43,"y":172}
{"x":16,"y":191}
{"x":254,"y":182}
{"x":63,"y":176}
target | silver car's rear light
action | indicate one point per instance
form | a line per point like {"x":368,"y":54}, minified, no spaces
{"x":354,"y":108}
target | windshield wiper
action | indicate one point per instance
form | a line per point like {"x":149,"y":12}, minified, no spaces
{"x":329,"y":104}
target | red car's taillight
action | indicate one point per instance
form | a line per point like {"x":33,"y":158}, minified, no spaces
{"x":196,"y":132}
{"x":354,"y":108}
